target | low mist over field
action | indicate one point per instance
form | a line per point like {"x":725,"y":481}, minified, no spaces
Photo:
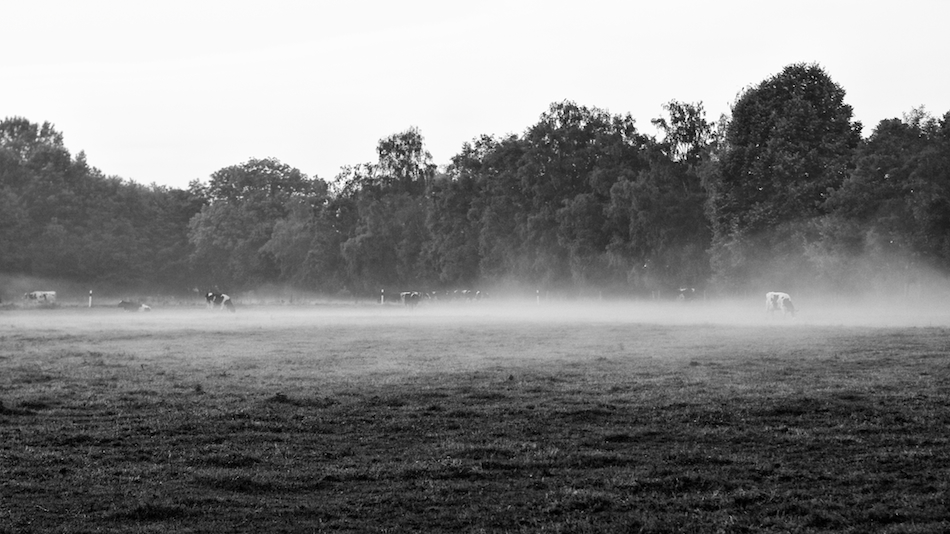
{"x":931,"y":311}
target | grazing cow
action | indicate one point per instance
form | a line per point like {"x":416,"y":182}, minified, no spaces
{"x":134,"y":306}
{"x":219,"y":300}
{"x":776,"y":301}
{"x":410,"y":298}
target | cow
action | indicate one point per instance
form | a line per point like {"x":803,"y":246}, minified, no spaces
{"x":687,"y":294}
{"x":219,"y":300}
{"x":134,"y":306}
{"x":410,"y":298}
{"x":776,"y":301}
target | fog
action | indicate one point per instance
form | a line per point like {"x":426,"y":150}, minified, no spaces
{"x":740,"y":312}
{"x":897,"y":300}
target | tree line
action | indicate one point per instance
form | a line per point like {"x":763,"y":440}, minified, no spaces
{"x":785,"y":192}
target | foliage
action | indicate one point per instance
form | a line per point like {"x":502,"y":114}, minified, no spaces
{"x":782,"y":193}
{"x":385,"y":244}
{"x":231,"y":233}
{"x":579,"y":201}
{"x":59,"y":217}
{"x":788,"y":146}
{"x":891,"y":215}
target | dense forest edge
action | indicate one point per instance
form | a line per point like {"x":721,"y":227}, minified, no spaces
{"x":784,"y":193}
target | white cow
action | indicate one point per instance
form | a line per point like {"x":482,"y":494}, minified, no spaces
{"x":776,"y":301}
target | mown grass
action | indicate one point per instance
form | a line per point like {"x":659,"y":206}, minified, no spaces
{"x":427,"y":425}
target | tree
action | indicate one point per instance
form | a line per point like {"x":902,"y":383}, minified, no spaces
{"x":306,"y":246}
{"x":789,"y":144}
{"x":64,"y":218}
{"x":246,"y":202}
{"x":572,"y":158}
{"x":686,"y":134}
{"x":891,"y":216}
{"x":404,"y":163}
{"x":472,"y":211}
{"x":452,"y":251}
{"x":386,"y":244}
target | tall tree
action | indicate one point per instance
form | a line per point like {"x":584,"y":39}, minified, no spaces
{"x":573,"y":156}
{"x":475,"y":210}
{"x":789,"y":144}
{"x":386,"y":245}
{"x":230,"y":233}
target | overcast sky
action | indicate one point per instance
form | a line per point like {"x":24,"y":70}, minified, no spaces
{"x":170,"y":91}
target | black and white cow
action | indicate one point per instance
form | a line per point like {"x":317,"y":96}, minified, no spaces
{"x":410,"y":298}
{"x":219,"y":300}
{"x":134,"y":306}
{"x":776,"y":301}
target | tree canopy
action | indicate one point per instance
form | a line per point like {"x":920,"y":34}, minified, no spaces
{"x":783,"y":192}
{"x":789,"y":144}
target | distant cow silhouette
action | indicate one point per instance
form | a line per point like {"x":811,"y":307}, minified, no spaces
{"x":219,"y":300}
{"x":410,"y":298}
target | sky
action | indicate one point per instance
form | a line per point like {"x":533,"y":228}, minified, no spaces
{"x":167,"y":92}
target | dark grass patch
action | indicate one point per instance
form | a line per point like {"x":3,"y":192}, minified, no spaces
{"x":584,"y":501}
{"x":236,"y":482}
{"x":16,"y":411}
{"x":621,"y":437}
{"x":310,"y":402}
{"x":390,"y":401}
{"x":486,"y":395}
{"x":30,"y":375}
{"x":227,"y":461}
{"x":151,"y":512}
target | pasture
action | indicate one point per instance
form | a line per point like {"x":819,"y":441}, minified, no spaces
{"x":490,"y":417}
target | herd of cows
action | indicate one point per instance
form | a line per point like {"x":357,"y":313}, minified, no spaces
{"x":775,"y":301}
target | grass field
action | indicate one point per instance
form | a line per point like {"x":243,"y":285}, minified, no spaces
{"x":606,"y":417}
